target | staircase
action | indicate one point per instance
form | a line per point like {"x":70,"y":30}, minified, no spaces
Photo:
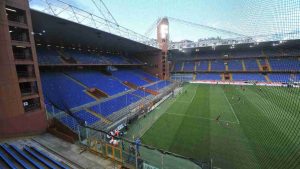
{"x":182,"y":66}
{"x":268,"y":64}
{"x":267,"y":78}
{"x":209,"y":65}
{"x":130,"y":85}
{"x":244,"y":66}
{"x":173,"y":66}
{"x":259,"y":65}
{"x":226,"y":67}
{"x":195,"y":66}
{"x":223,"y":77}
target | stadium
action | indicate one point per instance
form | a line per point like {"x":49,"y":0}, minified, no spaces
{"x":98,"y":84}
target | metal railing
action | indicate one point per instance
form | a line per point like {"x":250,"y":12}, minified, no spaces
{"x":64,"y":10}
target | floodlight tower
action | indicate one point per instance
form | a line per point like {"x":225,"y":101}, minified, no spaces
{"x":163,"y":41}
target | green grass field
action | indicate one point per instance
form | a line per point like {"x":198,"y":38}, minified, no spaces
{"x":259,"y":130}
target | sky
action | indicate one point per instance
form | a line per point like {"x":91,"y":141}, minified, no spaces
{"x":247,"y":17}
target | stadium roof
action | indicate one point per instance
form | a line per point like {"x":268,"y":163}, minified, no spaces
{"x":52,"y":30}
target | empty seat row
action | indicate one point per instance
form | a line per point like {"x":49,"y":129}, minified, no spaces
{"x":159,"y":85}
{"x":51,"y":56}
{"x":108,"y":107}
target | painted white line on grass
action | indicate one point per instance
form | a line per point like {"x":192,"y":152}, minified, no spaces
{"x":200,"y":117}
{"x":194,"y":95}
{"x":184,"y":102}
{"x":231,"y":108}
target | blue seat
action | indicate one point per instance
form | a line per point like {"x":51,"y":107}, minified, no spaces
{"x":159,"y":85}
{"x":87,"y":117}
{"x":130,"y":76}
{"x":70,"y":122}
{"x":62,"y":91}
{"x":189,"y":66}
{"x":98,"y":80}
{"x":108,"y":107}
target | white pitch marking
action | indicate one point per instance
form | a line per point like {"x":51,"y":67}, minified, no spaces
{"x":231,"y":108}
{"x":199,"y":117}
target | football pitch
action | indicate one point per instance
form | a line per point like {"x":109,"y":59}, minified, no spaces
{"x":235,"y":127}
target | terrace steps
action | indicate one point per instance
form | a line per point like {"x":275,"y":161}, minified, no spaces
{"x":76,"y":81}
{"x":259,"y":65}
{"x":244,"y":66}
{"x":267,"y":78}
{"x":60,"y":58}
{"x":147,"y":80}
{"x":195,"y":66}
{"x":97,"y":93}
{"x":226,"y":66}
{"x":104,"y":119}
{"x":66,"y":58}
{"x":209,"y":66}
{"x":130,"y":85}
{"x":173,"y":66}
{"x":268,"y":64}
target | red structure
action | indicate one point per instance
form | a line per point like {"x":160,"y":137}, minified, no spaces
{"x":21,"y":108}
{"x":157,"y":61}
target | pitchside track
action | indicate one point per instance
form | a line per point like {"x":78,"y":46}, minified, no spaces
{"x":249,"y":127}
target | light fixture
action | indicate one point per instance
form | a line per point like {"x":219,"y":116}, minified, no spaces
{"x":13,"y":10}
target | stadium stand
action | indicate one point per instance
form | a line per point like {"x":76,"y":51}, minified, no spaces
{"x":159,"y":85}
{"x":203,"y":66}
{"x":53,"y":56}
{"x":248,"y":77}
{"x":108,"y":107}
{"x":189,"y":66}
{"x":58,"y":87}
{"x":130,"y":76}
{"x":140,"y":93}
{"x":70,"y":122}
{"x":86,"y":58}
{"x":285,"y":64}
{"x":146,"y":75}
{"x":177,"y":66}
{"x":217,"y":65}
{"x":251,"y":64}
{"x":235,"y":65}
{"x":86,"y":116}
{"x":208,"y":76}
{"x":283,"y":77}
{"x":95,"y":79}
{"x":48,"y":56}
